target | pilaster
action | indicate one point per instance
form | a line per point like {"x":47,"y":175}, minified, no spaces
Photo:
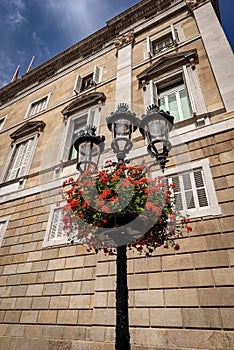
{"x":123,"y":45}
{"x":217,"y":47}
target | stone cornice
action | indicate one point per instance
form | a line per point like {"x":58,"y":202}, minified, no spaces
{"x":87,"y":47}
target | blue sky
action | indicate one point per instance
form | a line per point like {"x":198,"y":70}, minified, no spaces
{"x":43,"y":28}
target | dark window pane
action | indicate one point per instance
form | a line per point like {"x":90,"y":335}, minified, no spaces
{"x":189,"y":199}
{"x":187,"y":181}
{"x":178,"y":201}
{"x":202,"y":199}
{"x":198,"y":178}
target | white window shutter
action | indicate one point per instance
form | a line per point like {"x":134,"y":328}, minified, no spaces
{"x":56,"y":230}
{"x":200,"y":188}
{"x":96,"y":75}
{"x":153,"y":93}
{"x":16,"y":162}
{"x":27,"y":157}
{"x":149,"y":47}
{"x":78,"y":84}
{"x":192,"y":82}
{"x":174,"y":33}
{"x":189,"y":89}
{"x":94,"y":118}
{"x":66,"y":143}
{"x":2,"y":229}
{"x":179,"y":32}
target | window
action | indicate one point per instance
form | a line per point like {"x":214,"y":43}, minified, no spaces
{"x":54,"y":232}
{"x":20,"y":159}
{"x":190,"y":191}
{"x":21,"y":154}
{"x":3,"y":226}
{"x":157,"y":45}
{"x":173,"y":84}
{"x":84,"y":110}
{"x":74,"y":126}
{"x":162,"y":44}
{"x":194,"y":192}
{"x":37,"y":106}
{"x":88,"y":81}
{"x":174,"y":98}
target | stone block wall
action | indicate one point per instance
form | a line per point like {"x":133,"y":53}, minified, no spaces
{"x":64,"y":297}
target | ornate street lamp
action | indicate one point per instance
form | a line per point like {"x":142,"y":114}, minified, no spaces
{"x":122,"y":123}
{"x":155,"y":127}
{"x":88,"y":147}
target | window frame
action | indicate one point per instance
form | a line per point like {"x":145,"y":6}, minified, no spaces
{"x":181,"y":86}
{"x":3,"y":220}
{"x":93,"y":112}
{"x":28,"y":115}
{"x":191,"y":82}
{"x":171,"y":32}
{"x":29,"y":130}
{"x":213,"y":207}
{"x":96,"y":79}
{"x":11,"y":158}
{"x":50,"y":242}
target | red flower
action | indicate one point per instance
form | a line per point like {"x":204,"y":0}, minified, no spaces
{"x":69,"y":192}
{"x":105,"y":193}
{"x":105,"y":209}
{"x":100,"y":203}
{"x":177,"y":246}
{"x":188,"y":228}
{"x":74,"y":203}
{"x":104,"y":178}
{"x":114,"y":199}
{"x":115,"y":178}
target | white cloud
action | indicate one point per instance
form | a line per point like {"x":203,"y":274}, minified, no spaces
{"x":14,"y":13}
{"x":6,"y":66}
{"x":42,"y":49}
{"x":78,"y":18}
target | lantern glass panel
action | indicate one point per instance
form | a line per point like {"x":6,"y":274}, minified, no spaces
{"x":121,"y":142}
{"x":122,"y":128}
{"x":157,"y":129}
{"x":88,"y":152}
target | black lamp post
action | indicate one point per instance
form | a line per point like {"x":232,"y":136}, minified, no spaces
{"x":155,"y":126}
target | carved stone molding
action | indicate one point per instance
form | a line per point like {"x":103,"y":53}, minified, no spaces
{"x":124,"y":40}
{"x":192,"y":4}
{"x":162,"y":65}
{"x":82,"y":102}
{"x":28,"y":129}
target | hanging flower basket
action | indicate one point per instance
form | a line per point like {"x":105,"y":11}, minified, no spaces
{"x":122,"y":206}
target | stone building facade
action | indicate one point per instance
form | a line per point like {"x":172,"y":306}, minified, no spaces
{"x":59,"y":296}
